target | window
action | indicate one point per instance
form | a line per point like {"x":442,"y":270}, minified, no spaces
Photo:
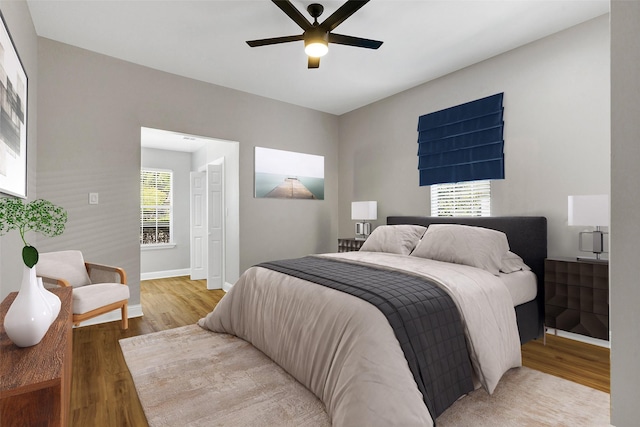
{"x":471,"y":198}
{"x":156,"y":207}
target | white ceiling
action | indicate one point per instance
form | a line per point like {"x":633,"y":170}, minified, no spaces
{"x":167,"y":140}
{"x":205,"y":40}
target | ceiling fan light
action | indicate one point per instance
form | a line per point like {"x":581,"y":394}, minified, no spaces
{"x":316,"y":42}
{"x":316,"y":48}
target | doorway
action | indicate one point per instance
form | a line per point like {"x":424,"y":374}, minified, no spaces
{"x":216,"y":256}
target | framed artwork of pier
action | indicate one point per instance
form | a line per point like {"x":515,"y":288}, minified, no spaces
{"x":283,"y":174}
{"x":13,"y":118}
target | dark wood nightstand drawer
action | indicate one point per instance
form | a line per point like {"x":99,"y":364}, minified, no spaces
{"x":349,"y":245}
{"x":577,"y":296}
{"x":576,"y":321}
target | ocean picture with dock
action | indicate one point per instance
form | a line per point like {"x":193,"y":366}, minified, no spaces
{"x":288,"y":175}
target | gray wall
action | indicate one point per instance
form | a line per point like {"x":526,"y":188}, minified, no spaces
{"x":176,"y":258}
{"x":556,"y":100}
{"x":91,"y":110}
{"x":625,"y":212}
{"x":16,"y":15}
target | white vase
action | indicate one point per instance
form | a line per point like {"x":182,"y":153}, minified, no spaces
{"x":52,"y":299}
{"x":29,"y":317}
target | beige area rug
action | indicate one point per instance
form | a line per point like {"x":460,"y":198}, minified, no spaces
{"x":525,"y":397}
{"x":191,"y":377}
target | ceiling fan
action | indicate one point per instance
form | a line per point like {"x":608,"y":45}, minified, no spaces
{"x":317,"y":36}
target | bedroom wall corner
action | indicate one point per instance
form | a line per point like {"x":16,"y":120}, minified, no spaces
{"x":20,"y":25}
{"x":625,"y":212}
{"x":557,"y":141}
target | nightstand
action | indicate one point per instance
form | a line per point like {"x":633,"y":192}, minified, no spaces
{"x":577,"y":296}
{"x":349,"y":245}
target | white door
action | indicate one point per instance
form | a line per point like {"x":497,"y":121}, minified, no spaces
{"x":215,"y":201}
{"x":198,"y":225}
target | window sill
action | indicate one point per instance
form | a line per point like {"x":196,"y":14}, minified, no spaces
{"x":157,"y":246}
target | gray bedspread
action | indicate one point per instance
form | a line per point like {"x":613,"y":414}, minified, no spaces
{"x":343,"y":348}
{"x":424,"y":318}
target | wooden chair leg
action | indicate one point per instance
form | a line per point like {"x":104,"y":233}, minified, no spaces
{"x":125,"y":318}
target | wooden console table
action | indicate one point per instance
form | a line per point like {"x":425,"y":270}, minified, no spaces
{"x":35,"y":382}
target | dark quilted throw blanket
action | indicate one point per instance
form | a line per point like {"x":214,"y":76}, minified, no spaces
{"x":423,"y":316}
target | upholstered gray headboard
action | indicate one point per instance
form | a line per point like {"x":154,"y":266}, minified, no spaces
{"x":527,"y":237}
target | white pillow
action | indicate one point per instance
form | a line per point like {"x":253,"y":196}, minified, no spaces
{"x":395,"y":239}
{"x":463,"y":244}
{"x":512,"y":263}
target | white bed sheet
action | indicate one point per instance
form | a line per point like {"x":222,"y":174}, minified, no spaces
{"x":522,"y":286}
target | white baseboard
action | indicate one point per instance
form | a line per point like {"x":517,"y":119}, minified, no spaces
{"x":165,"y":274}
{"x":112,"y":316}
{"x":578,"y":337}
{"x":227,"y":286}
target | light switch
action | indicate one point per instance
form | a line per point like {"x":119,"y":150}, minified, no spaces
{"x":93,"y":198}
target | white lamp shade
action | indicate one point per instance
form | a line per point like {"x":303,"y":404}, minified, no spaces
{"x":364,"y":210}
{"x":589,"y":210}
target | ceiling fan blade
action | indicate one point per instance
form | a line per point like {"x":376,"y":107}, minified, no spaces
{"x":354,"y":41}
{"x":274,"y":40}
{"x":293,"y":13}
{"x":343,"y":12}
{"x":313,"y":62}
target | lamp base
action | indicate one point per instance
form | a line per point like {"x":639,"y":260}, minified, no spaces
{"x":363,"y":229}
{"x":597,"y":247}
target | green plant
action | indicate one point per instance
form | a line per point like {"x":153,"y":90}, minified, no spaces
{"x":39,"y":215}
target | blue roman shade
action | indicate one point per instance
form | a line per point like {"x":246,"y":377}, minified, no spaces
{"x":462,"y":143}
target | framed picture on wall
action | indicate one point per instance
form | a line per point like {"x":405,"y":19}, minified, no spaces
{"x":288,"y":175}
{"x":13,"y":118}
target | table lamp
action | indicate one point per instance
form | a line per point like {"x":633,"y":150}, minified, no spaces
{"x":363,"y":212}
{"x":590,"y":211}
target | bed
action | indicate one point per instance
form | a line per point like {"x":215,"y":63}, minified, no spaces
{"x":375,"y":363}
{"x":527,"y":237}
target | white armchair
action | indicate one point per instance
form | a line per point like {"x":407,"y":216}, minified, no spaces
{"x":97,"y":288}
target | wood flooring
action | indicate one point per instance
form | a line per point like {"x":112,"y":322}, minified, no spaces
{"x":102,"y":391}
{"x":572,"y":360}
{"x":103,"y":394}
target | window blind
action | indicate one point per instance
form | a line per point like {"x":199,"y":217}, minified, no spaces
{"x":471,"y":198}
{"x":156,"y":210}
{"x":462,"y":143}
